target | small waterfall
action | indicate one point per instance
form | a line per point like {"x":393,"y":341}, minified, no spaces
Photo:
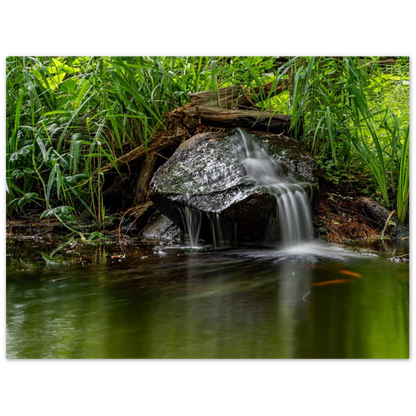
{"x":192,"y":221}
{"x":222,"y":233}
{"x":294,"y":217}
{"x":293,"y":198}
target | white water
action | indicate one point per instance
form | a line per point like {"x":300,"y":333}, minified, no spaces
{"x":293,"y":199}
{"x":193,"y":220}
{"x":294,"y":205}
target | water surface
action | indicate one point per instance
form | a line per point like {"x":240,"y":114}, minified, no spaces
{"x":308,"y":302}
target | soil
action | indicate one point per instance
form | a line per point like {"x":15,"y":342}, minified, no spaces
{"x":338,"y":218}
{"x":342,"y":217}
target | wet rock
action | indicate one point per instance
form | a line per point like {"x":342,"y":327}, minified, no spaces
{"x":206,"y":173}
{"x":399,"y":259}
{"x":290,"y":152}
{"x":164,"y":230}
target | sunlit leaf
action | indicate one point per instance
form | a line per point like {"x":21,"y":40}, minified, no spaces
{"x":69,"y":86}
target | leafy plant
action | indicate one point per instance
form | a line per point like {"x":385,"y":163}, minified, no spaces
{"x":67,"y":117}
{"x":345,"y":120}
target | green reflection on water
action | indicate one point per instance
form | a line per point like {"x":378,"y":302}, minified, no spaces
{"x":208,"y":305}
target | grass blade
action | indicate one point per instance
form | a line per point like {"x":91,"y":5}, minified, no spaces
{"x":403,"y":187}
{"x":331,"y":133}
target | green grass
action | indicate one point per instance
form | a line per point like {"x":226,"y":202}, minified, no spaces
{"x":67,"y":117}
{"x":347,"y":120}
{"x":403,"y":186}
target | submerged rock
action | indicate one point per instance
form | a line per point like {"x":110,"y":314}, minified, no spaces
{"x":208,"y":174}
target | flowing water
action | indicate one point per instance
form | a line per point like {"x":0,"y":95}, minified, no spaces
{"x":298,"y":299}
{"x":293,"y":197}
{"x":268,"y":175}
{"x":304,"y":301}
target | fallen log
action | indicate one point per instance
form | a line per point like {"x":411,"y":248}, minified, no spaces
{"x":374,"y":210}
{"x":235,"y":107}
{"x":237,"y":97}
{"x":247,"y":119}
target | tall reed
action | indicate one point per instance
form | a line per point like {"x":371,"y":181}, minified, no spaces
{"x":331,"y":98}
{"x":403,"y":186}
{"x":68,"y":116}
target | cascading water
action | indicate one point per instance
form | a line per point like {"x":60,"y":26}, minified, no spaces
{"x":294,"y":224}
{"x":193,"y":220}
{"x":293,"y":197}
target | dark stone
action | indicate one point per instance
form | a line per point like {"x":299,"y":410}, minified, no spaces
{"x":163,"y":229}
{"x":206,"y":174}
{"x":292,"y":154}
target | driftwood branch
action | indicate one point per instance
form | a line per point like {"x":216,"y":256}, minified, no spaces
{"x":164,"y":143}
{"x":249,"y":119}
{"x":235,"y":107}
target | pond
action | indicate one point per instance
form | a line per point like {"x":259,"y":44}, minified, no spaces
{"x":312,"y":301}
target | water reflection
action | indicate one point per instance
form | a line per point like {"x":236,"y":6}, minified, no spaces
{"x":233,"y":304}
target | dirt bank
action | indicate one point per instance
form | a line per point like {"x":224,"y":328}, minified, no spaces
{"x":344,"y":217}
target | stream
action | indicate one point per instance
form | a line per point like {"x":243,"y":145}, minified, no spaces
{"x":307,"y":301}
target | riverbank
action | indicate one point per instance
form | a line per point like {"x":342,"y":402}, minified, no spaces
{"x":339,"y":218}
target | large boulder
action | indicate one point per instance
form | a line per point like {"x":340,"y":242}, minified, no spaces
{"x":206,"y":174}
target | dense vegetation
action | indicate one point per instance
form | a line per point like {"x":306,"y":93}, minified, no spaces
{"x":69,"y":116}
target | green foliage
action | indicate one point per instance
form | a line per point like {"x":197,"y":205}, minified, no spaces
{"x":62,"y":212}
{"x":67,"y":117}
{"x":356,"y":113}
{"x":403,"y":188}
